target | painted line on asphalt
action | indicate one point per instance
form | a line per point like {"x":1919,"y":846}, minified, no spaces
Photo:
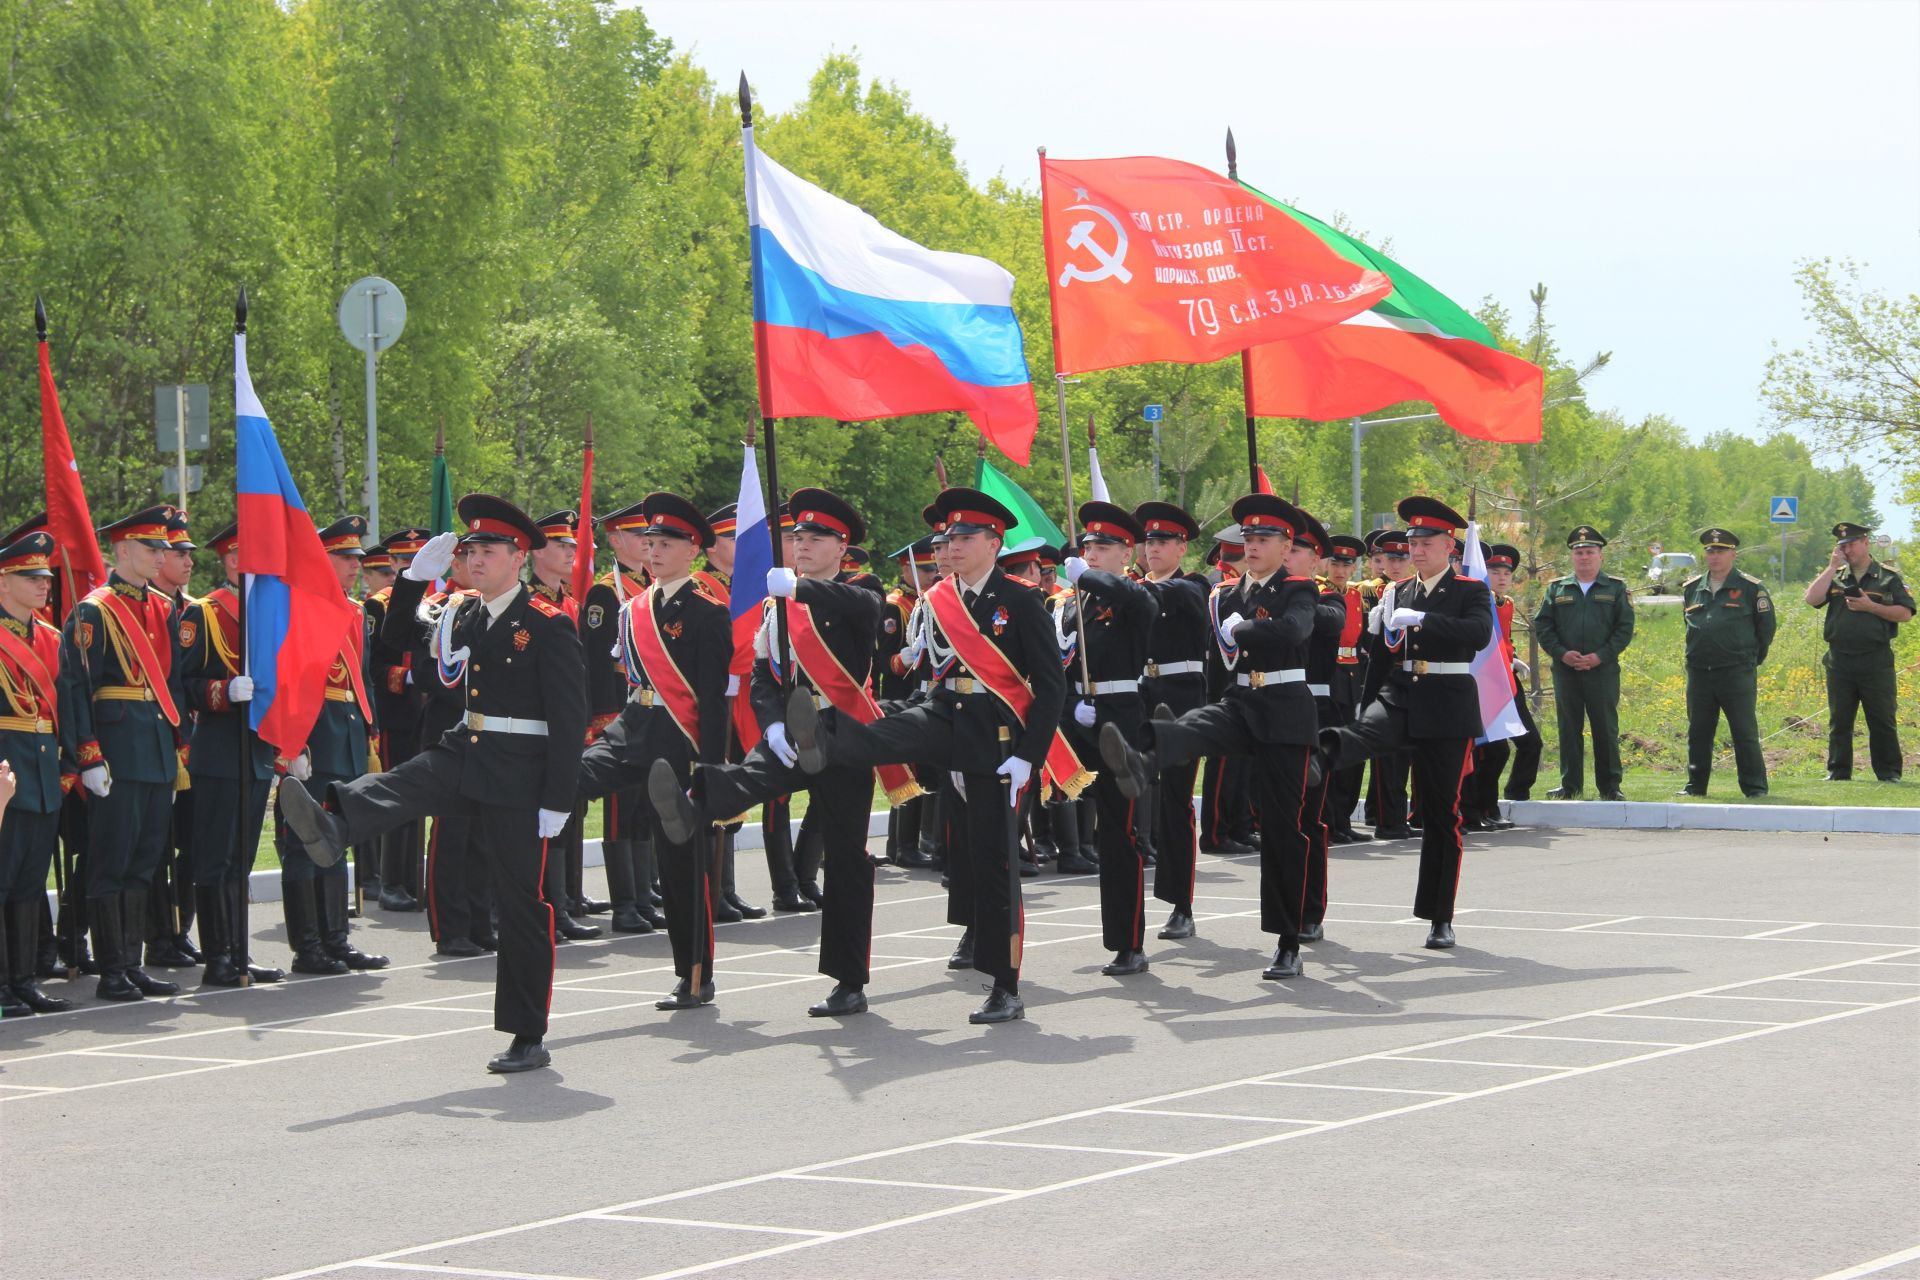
{"x":1885,"y":1262}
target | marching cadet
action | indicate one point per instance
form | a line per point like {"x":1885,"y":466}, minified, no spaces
{"x":1387,"y":807}
{"x":314,"y":894}
{"x":514,"y":764}
{"x":625,"y":844}
{"x":1325,"y":683}
{"x":1037,"y":844}
{"x":892,"y":682}
{"x":792,"y":865}
{"x":1584,"y":624}
{"x":1261,"y":622}
{"x":1109,"y":616}
{"x":1226,"y":812}
{"x":1480,"y":799}
{"x":119,"y":710}
{"x":399,"y":701}
{"x":1730,"y":624}
{"x":1347,"y":683}
{"x":1434,"y":624}
{"x":991,"y":722}
{"x":728,"y":906}
{"x":1062,"y":829}
{"x":30,"y":747}
{"x":1865,"y":602}
{"x":830,"y":627}
{"x":1174,"y":677}
{"x":225,"y":839}
{"x":549,"y":570}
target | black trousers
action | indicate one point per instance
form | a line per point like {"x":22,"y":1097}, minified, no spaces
{"x":1387,"y":804}
{"x":1223,"y":800}
{"x":1123,"y":867}
{"x":1526,"y":753}
{"x":1277,"y":779}
{"x":127,"y":833}
{"x":27,"y":845}
{"x":842,"y":796}
{"x":506,"y":841}
{"x":223,"y":844}
{"x":459,"y":899}
{"x":776,"y":840}
{"x":978,"y":861}
{"x":1439,"y":769}
{"x":1343,"y":793}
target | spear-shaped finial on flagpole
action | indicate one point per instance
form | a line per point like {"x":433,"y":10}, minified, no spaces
{"x":239,"y":313}
{"x":440,"y":436}
{"x":746,"y":103}
{"x":1473,"y":502}
{"x":40,"y":317}
{"x":1233,"y":157}
{"x":1091,"y":442}
{"x":589,"y":428}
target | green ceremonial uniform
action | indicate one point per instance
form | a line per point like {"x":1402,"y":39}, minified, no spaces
{"x":1597,"y":621}
{"x":1728,"y":633}
{"x":1859,"y":662}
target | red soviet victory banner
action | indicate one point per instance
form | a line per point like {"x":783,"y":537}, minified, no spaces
{"x":1150,"y":259}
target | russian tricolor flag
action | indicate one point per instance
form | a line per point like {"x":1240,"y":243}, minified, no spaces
{"x":747,"y":596}
{"x":852,"y":321}
{"x":297,"y":618}
{"x":1497,"y":709}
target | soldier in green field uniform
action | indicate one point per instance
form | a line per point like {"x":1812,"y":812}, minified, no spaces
{"x":1730,"y":624}
{"x":1865,"y":602}
{"x":1585,"y":622}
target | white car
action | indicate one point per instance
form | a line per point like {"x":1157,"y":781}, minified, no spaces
{"x":1670,"y":568}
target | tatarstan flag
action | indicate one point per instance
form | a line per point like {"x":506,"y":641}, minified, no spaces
{"x":1417,"y":344}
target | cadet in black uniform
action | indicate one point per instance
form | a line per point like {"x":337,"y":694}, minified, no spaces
{"x":728,"y":906}
{"x":1429,"y":703}
{"x":625,"y":844}
{"x":1175,"y":677}
{"x":1387,"y":809}
{"x":514,"y":763}
{"x":549,"y":569}
{"x":400,"y":693}
{"x":1324,"y":682}
{"x":1261,"y":621}
{"x":1226,"y":814}
{"x":1348,"y":680}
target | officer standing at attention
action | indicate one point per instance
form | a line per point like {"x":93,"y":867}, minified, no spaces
{"x":1865,"y":602}
{"x":1585,"y":623}
{"x":1730,"y":624}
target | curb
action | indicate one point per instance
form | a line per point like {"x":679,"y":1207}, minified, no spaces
{"x":1636,"y":815}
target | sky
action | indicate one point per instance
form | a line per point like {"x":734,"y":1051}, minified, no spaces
{"x":1660,"y":167}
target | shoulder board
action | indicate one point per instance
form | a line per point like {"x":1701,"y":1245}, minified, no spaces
{"x":381,"y":596}
{"x":1691,"y":583}
{"x":1019,"y":581}
{"x":540,"y":604}
{"x":706,"y":593}
{"x":1755,"y":581}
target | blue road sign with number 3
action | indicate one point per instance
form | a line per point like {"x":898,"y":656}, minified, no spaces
{"x":1151,"y":413}
{"x":1784,"y":510}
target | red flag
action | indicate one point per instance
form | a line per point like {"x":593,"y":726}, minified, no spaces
{"x":583,"y":536}
{"x":1150,"y":259}
{"x":76,"y":547}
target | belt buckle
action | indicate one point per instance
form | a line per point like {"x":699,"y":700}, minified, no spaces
{"x":962,"y":684}
{"x":646,"y":697}
{"x":1256,"y":679}
{"x":1419,"y":666}
{"x":1153,"y":671}
{"x":476,"y":721}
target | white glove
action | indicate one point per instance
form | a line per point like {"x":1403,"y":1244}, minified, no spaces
{"x":733,"y":686}
{"x":96,"y":780}
{"x":1521,"y":669}
{"x":1083,"y":715}
{"x":240,"y":689}
{"x":407,"y":678}
{"x":1016,"y":771}
{"x":780,"y":582}
{"x":1404,"y":618}
{"x":1227,"y":625}
{"x":1073,"y":568}
{"x":1377,"y":617}
{"x":300,"y":768}
{"x":959,"y":782}
{"x":552,"y":822}
{"x":433,"y":560}
{"x":783,"y":751}
{"x":910,"y":656}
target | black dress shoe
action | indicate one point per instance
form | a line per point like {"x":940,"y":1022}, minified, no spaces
{"x":792,"y":900}
{"x":747,"y":912}
{"x":165,"y":953}
{"x":565,"y":926}
{"x":1691,"y":791}
{"x":1286,"y":963}
{"x":486,"y":939}
{"x":1028,"y":869}
{"x":36,"y":1000}
{"x":1125,"y":964}
{"x":12,"y":1006}
{"x":459,"y":949}
{"x":962,"y":957}
{"x":1179,"y":924}
{"x":1612,"y":795}
{"x":151,"y":986}
{"x":1475,"y":824}
{"x":1561,"y":793}
{"x":725,"y":912}
{"x":1341,"y":837}
{"x":1130,"y":770}
{"x":116,"y":987}
{"x":682,"y":997}
{"x":805,"y":733}
{"x":1501,"y":824}
{"x":318,"y":962}
{"x":1440,"y":937}
{"x":1229,"y":848}
{"x":916,"y":859}
{"x":356,"y":959}
{"x":1001,"y":1006}
{"x":1072,"y":864}
{"x":1755,"y":794}
{"x":221,"y":971}
{"x":1839,"y":777}
{"x":395,"y":898}
{"x":843,"y":1000}
{"x":584,"y":906}
{"x":653,"y":917}
{"x":525,"y":1054}
{"x":811,"y":892}
{"x":262,"y":973}
{"x":1887,"y":777}
{"x":323,"y":834}
{"x":1402,"y":832}
{"x":678,"y":819}
{"x":629,"y":920}
{"x":1314,"y":933}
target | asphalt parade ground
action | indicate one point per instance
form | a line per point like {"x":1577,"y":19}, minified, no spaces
{"x":1654,"y":1053}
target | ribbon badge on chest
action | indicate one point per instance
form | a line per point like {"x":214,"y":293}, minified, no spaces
{"x":999,"y":620}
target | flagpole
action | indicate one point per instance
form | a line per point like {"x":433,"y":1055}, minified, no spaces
{"x":63,"y":875}
{"x":760,"y":368}
{"x":1073,"y":538}
{"x":1246,"y":388}
{"x":242,"y":714}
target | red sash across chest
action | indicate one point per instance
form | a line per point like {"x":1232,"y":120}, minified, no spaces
{"x":153,"y":665}
{"x":34,"y":660}
{"x":837,"y":685}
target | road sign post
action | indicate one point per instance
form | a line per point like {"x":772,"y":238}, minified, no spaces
{"x":1783,"y":510}
{"x":1152,"y":415}
{"x":180,"y":421}
{"x":372,"y":313}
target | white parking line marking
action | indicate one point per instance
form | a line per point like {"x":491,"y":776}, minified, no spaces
{"x":1355,"y":1088}
{"x":1857,"y":1004}
{"x":1674,"y":1017}
{"x":431,"y":1269}
{"x":1649,"y":1044}
{"x":1478,"y":1062}
{"x":1207,"y":1115}
{"x":1062,"y":1146}
{"x":1600,"y":924}
{"x":702,"y":1222}
{"x":1882,"y":1263}
{"x":899,"y":1182}
{"x":154,"y":1057}
{"x":1774,"y":933}
{"x":1860,"y":982}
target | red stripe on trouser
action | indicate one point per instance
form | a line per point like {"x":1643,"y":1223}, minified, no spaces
{"x":433,"y":892}
{"x":1210,"y":820}
{"x":1459,"y":838}
{"x":610,"y":817}
{"x":540,"y":887}
{"x":1139,"y":881}
{"x":1300,"y":822}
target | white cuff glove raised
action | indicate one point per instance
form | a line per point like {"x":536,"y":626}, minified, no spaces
{"x":240,"y":689}
{"x":552,"y":823}
{"x":433,"y":560}
{"x":96,"y":780}
{"x":783,"y":751}
{"x":1073,"y":568}
{"x":1377,"y":617}
{"x":1016,"y":771}
{"x":1404,"y":618}
{"x":780,"y":582}
{"x":1227,"y":626}
{"x":1083,"y":715}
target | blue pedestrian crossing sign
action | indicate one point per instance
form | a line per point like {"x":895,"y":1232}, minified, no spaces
{"x":1784,"y":510}
{"x":1151,"y":413}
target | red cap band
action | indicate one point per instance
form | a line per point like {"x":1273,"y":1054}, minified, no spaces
{"x":822,"y":518}
{"x":1106,"y":530}
{"x":661,"y":520}
{"x":1261,"y":520}
{"x":1167,"y":526}
{"x":982,"y":518}
{"x":1432,"y":522}
{"x":516,"y":535}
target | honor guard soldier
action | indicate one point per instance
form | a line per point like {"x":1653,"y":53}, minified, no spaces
{"x":1261,"y":623}
{"x":1585,"y":623}
{"x":1730,"y":624}
{"x":626,"y":845}
{"x":549,"y":570}
{"x":514,"y":762}
{"x":793,"y":865}
{"x":1480,"y":799}
{"x":1174,"y":677}
{"x":120,"y":708}
{"x":991,"y":721}
{"x":314,"y":895}
{"x":829,"y":634}
{"x":1226,"y":812}
{"x":1386,"y":804}
{"x":717,"y":579}
{"x":1310,"y":551}
{"x":226,"y":833}
{"x":169,"y":945}
{"x":1434,"y":624}
{"x":30,"y":746}
{"x":1865,"y":602}
{"x":400,"y":696}
{"x":1347,"y":683}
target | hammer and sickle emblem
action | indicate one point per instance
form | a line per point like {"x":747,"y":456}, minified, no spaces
{"x":1112,"y":264}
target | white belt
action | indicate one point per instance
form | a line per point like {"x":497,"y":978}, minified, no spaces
{"x":1260,"y":679}
{"x":1320,"y":690}
{"x":1107,"y":686}
{"x":506,"y":724}
{"x":1421,"y":667}
{"x":1161,"y":670}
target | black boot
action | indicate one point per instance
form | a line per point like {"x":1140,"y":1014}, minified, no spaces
{"x":927,"y":843}
{"x":334,"y":939}
{"x":215,"y":942}
{"x":136,"y":916}
{"x":23,"y":931}
{"x":109,"y":950}
{"x":646,"y":880}
{"x":1179,"y":924}
{"x":237,"y":896}
{"x":299,"y":899}
{"x":962,"y":957}
{"x":394,"y":847}
{"x":1063,"y":816}
{"x":1084,"y":819}
{"x":11,"y":1005}
{"x":728,"y":890}
{"x":622,"y":889}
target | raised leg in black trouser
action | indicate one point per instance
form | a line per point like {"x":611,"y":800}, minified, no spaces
{"x":1440,"y":767}
{"x":1526,"y":753}
{"x":1176,"y":840}
{"x":1277,"y":777}
{"x":616,"y":764}
{"x":840,"y":799}
{"x":507,"y":843}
